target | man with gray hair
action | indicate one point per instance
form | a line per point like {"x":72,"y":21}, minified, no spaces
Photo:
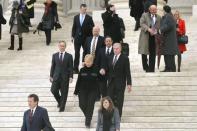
{"x":119,"y":77}
{"x":150,"y":23}
{"x":61,"y":74}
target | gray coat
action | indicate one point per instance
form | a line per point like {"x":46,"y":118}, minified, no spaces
{"x":168,"y":30}
{"x":115,"y":121}
{"x":145,"y":23}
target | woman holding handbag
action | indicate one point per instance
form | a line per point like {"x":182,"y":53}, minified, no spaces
{"x":2,"y":19}
{"x":49,"y":19}
{"x":108,"y":116}
{"x":180,"y":32}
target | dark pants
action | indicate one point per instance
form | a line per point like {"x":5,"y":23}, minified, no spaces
{"x":78,"y":43}
{"x":170,"y":63}
{"x":103,"y":88}
{"x":48,"y":36}
{"x":149,"y":65}
{"x":87,"y":100}
{"x":137,"y":24}
{"x":61,"y":86}
{"x":117,"y":95}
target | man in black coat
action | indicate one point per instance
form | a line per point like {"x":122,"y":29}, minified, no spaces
{"x":61,"y":74}
{"x":30,"y":9}
{"x":36,"y":118}
{"x":170,"y":45}
{"x":82,"y":28}
{"x":137,"y":9}
{"x":2,"y":19}
{"x":112,"y":24}
{"x":119,"y":76}
{"x":103,"y":58}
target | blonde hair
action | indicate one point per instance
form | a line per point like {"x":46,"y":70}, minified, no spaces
{"x":178,"y":12}
{"x":89,"y":58}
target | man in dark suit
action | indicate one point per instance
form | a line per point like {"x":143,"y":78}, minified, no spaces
{"x":137,"y":9}
{"x":61,"y":74}
{"x":93,"y":44}
{"x":119,"y":77}
{"x":103,"y":57}
{"x":36,"y":118}
{"x":82,"y":28}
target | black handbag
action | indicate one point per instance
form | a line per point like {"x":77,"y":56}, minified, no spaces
{"x":183,"y":39}
{"x":57,"y":26}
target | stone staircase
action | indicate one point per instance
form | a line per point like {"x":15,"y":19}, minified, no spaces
{"x":158,"y":102}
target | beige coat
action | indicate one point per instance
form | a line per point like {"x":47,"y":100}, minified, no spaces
{"x":145,"y":23}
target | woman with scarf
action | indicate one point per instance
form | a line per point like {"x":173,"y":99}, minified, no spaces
{"x":49,"y":19}
{"x":18,"y":23}
{"x":87,"y":88}
{"x":108,"y":116}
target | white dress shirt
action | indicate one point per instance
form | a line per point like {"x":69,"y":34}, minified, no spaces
{"x":63,"y":53}
{"x":33,"y":110}
{"x":154,"y":18}
{"x":106,"y":49}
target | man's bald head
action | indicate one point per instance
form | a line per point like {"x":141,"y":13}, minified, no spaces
{"x":96,"y":31}
{"x":153,"y":9}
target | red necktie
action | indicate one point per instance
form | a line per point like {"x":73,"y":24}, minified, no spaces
{"x":30,"y":116}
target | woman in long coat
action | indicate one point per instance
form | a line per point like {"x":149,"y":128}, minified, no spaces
{"x":181,"y":30}
{"x":170,"y":46}
{"x":49,"y":19}
{"x":2,"y":19}
{"x":18,"y":25}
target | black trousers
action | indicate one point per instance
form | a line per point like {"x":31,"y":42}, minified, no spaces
{"x":103,"y":88}
{"x":117,"y":95}
{"x":137,"y":24}
{"x":170,"y":63}
{"x":78,"y":43}
{"x":149,"y":65}
{"x":60,"y":86}
{"x":48,"y":36}
{"x":87,"y":100}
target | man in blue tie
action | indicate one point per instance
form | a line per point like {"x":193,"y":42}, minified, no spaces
{"x":82,"y":28}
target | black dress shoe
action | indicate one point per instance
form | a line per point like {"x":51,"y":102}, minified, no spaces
{"x":11,"y":48}
{"x":61,"y":110}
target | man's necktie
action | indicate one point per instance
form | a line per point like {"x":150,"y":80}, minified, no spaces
{"x":152,"y":21}
{"x":108,"y":51}
{"x":30,"y":116}
{"x":61,"y":57}
{"x":93,"y":47}
{"x":114,"y":61}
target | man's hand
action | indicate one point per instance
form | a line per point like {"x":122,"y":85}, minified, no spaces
{"x":129,"y":88}
{"x":70,"y":80}
{"x":51,"y":79}
{"x":102,"y":71}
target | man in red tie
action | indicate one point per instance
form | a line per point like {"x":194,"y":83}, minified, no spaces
{"x":36,"y":118}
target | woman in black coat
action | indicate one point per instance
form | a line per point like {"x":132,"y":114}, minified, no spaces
{"x":18,"y":24}
{"x":2,"y":19}
{"x":49,"y":19}
{"x":87,"y":88}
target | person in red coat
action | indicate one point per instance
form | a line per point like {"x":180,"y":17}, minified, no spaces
{"x":180,"y":31}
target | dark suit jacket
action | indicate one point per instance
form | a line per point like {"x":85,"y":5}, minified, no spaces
{"x":103,"y":58}
{"x":40,"y":121}
{"x":120,"y":73}
{"x":64,"y":69}
{"x":82,"y":31}
{"x":87,"y":50}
